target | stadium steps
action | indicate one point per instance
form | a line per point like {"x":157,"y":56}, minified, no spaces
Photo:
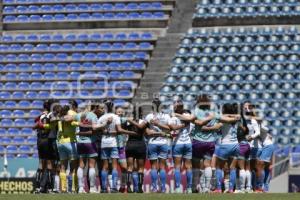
{"x":182,"y":15}
{"x":157,"y":68}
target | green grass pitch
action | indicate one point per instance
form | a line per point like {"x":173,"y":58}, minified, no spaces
{"x":152,"y":197}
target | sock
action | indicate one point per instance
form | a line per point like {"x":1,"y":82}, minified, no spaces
{"x":44,"y":181}
{"x":74,"y":182}
{"x":219,"y":177}
{"x":248,"y":180}
{"x":189,"y":178}
{"x":207,"y":175}
{"x":135,"y":178}
{"x":242,"y":179}
{"x":163,"y":179}
{"x":226,"y":184}
{"x":253,"y":179}
{"x":213,"y":179}
{"x":140,"y":180}
{"x":63,"y":181}
{"x":114,"y":178}
{"x":80,"y":177}
{"x":260,"y":180}
{"x":154,"y":178}
{"x":38,"y":176}
{"x":70,"y":183}
{"x":267,"y":180}
{"x":232,"y":179}
{"x":202,"y":179}
{"x":57,"y":183}
{"x":51,"y":181}
{"x":129,"y":178}
{"x":92,"y":177}
{"x":196,"y":177}
{"x":177,"y":177}
{"x":123,"y":178}
{"x":104,"y":175}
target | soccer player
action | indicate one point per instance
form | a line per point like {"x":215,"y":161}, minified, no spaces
{"x":243,"y":161}
{"x":86,"y":146}
{"x":110,"y":124}
{"x":45,"y":149}
{"x":255,"y":144}
{"x":228,"y":147}
{"x":136,"y":153}
{"x":182,"y":146}
{"x":158,"y":133}
{"x":264,"y":158}
{"x":204,"y":137}
{"x":67,"y":149}
{"x":122,"y":136}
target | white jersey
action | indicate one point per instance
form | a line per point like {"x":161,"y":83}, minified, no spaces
{"x":265,"y":136}
{"x":254,"y":132}
{"x":229,"y":133}
{"x":163,"y":119}
{"x":183,"y":134}
{"x":108,"y":140}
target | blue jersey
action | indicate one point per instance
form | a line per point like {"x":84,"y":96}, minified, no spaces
{"x":205,"y":136}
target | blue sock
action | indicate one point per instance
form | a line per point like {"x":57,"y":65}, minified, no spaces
{"x":104,"y":175}
{"x":135,"y":178}
{"x":177,"y":177}
{"x":267,"y":180}
{"x":189,"y":178}
{"x":232,"y":179}
{"x":163,"y":179}
{"x":115,"y":177}
{"x":219,"y":176}
{"x":260,"y":180}
{"x":154,"y":178}
{"x":253,"y":179}
{"x":70,"y":181}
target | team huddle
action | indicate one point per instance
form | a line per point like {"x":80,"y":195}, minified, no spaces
{"x":220,"y":151}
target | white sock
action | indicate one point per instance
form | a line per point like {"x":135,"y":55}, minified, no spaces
{"x":248,"y":180}
{"x":208,"y":175}
{"x":80,"y":177}
{"x":92,"y":177}
{"x":202,"y":179}
{"x":242,"y":179}
{"x":56,"y":183}
{"x":226,"y":184}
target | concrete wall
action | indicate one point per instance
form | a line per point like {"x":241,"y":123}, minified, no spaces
{"x":280,"y":184}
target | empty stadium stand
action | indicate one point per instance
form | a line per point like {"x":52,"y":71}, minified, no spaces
{"x":83,"y":64}
{"x":260,"y":64}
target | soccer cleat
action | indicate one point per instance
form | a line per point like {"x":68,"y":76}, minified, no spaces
{"x":177,"y":190}
{"x":259,"y":190}
{"x":248,"y":190}
{"x":189,"y":191}
{"x":104,"y":191}
{"x":140,"y":189}
{"x":93,"y":190}
{"x":81,"y":190}
{"x":195,"y":190}
{"x":114,"y":190}
{"x":154,"y":190}
{"x":122,"y":190}
{"x":217,"y":191}
{"x":128,"y":189}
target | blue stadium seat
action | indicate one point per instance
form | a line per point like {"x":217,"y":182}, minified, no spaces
{"x":11,"y":149}
{"x":26,"y":131}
